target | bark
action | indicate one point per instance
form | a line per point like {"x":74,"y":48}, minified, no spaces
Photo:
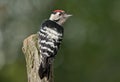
{"x":32,"y":56}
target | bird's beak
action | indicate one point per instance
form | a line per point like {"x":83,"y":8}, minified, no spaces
{"x":67,"y":15}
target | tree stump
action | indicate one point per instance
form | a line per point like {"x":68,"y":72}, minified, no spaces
{"x":32,"y":55}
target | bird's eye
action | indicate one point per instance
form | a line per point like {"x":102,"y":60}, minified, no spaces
{"x":60,"y":14}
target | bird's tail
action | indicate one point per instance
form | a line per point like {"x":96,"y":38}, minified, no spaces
{"x":44,"y":70}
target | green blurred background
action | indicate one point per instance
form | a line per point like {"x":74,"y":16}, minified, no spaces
{"x":90,"y":51}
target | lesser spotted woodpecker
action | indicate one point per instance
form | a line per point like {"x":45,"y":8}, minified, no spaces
{"x":50,"y":37}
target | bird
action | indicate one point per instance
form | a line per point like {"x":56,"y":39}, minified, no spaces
{"x":50,"y":37}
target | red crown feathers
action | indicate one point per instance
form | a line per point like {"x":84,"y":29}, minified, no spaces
{"x":58,"y":11}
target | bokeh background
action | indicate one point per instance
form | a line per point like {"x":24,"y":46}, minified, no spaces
{"x":90,"y":51}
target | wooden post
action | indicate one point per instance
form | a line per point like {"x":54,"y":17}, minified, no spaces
{"x":32,"y":56}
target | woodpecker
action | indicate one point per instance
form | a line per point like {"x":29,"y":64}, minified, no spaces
{"x":50,"y":38}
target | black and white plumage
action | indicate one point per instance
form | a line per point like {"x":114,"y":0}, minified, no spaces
{"x":50,"y":38}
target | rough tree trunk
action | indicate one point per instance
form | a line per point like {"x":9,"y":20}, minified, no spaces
{"x":32,"y":56}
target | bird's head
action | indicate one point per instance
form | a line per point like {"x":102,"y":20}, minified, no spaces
{"x":59,"y":16}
